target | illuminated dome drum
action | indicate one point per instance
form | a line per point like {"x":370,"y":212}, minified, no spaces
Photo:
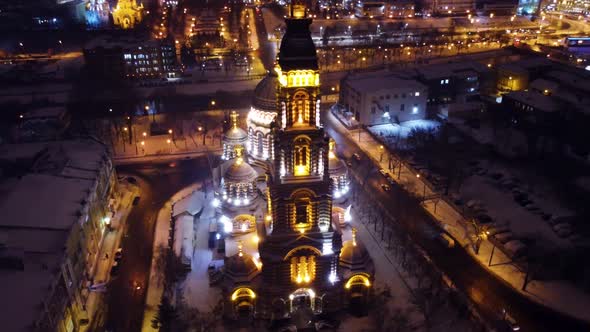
{"x":234,"y":137}
{"x":338,"y":172}
{"x":261,"y":115}
{"x":238,"y":185}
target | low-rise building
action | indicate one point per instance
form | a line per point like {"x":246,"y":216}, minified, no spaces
{"x":552,"y":108}
{"x":132,"y":59}
{"x":383,"y":98}
{"x":43,"y":124}
{"x":55,"y":198}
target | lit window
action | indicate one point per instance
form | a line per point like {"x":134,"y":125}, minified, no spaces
{"x":447,"y":81}
{"x":417,"y":94}
{"x":302,"y":269}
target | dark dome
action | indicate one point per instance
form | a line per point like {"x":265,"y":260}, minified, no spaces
{"x":336,"y":166}
{"x":354,"y":257}
{"x":240,"y":268}
{"x":265,"y":93}
{"x":240,"y":172}
{"x":297,"y":48}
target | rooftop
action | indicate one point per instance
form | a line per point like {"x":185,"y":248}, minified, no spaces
{"x":538,"y":101}
{"x":382,"y":82}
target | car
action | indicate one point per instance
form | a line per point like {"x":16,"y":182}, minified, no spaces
{"x":510,"y":322}
{"x":115,"y":269}
{"x":348,"y":163}
{"x":383,"y":172}
{"x":446,"y":240}
{"x":356,"y":156}
{"x":390,"y":179}
{"x":385,"y":187}
{"x":136,"y":200}
{"x":118,"y":254}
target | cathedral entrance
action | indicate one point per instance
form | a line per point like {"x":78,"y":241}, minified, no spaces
{"x":303,"y":298}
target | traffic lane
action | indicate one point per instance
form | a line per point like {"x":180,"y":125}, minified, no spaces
{"x":124,"y":298}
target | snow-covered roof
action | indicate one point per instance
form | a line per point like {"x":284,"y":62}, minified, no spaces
{"x":538,"y":101}
{"x":378,"y":83}
{"x":46,"y":112}
{"x":43,"y":201}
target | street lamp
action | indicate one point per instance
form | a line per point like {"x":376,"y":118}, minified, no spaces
{"x":381,"y":153}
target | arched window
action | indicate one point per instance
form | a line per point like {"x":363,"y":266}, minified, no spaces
{"x":300,"y":108}
{"x":302,"y":264}
{"x":303,"y":269}
{"x":301,"y":156}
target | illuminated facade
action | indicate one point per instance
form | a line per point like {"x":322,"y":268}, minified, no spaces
{"x":127,"y":14}
{"x":297,"y":254}
{"x":300,"y":252}
{"x":97,"y":13}
{"x":338,"y":172}
{"x":262,"y":114}
{"x":234,"y":139}
{"x":574,"y":6}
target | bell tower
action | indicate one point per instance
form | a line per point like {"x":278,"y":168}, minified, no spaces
{"x":300,"y":251}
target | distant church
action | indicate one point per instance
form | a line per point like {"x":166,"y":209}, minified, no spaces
{"x":127,"y":14}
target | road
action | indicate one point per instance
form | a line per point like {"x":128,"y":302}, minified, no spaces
{"x":489,"y":294}
{"x":158,"y":182}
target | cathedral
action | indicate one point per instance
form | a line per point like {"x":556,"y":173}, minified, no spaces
{"x":127,"y":14}
{"x":280,"y":200}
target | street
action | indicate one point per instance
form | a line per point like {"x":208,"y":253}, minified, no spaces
{"x":158,"y":182}
{"x":488,"y":293}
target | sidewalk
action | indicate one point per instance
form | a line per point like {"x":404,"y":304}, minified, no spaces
{"x":122,"y":160}
{"x":560,"y":296}
{"x":110,"y":243}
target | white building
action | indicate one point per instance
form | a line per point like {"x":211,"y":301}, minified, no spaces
{"x":382,"y":98}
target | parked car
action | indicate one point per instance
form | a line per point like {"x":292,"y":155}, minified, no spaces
{"x":119,"y":254}
{"x":115,"y":269}
{"x":385,"y":187}
{"x":446,"y":240}
{"x":136,"y":200}
{"x":383,"y":172}
{"x":357,"y":157}
{"x":509,"y":321}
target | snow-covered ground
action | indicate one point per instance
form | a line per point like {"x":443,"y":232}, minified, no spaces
{"x":501,"y":206}
{"x":402,"y":130}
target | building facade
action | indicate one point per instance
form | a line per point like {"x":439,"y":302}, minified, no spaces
{"x":132,"y":59}
{"x":375,"y":99}
{"x":49,"y":254}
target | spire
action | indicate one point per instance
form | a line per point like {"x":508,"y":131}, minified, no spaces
{"x":239,"y":150}
{"x":332,"y":147}
{"x":234,"y":119}
{"x":354,"y":236}
{"x":240,"y":247}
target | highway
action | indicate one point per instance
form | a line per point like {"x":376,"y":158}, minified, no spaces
{"x":488,"y":293}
